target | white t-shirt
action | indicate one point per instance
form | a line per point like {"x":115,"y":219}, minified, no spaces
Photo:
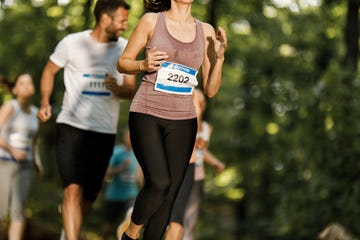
{"x":200,"y":153}
{"x":19,"y":131}
{"x":87,"y":104}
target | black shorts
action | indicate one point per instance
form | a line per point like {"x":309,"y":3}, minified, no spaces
{"x":83,"y":157}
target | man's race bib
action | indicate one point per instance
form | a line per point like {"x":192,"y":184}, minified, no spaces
{"x":94,"y":84}
{"x":176,"y":78}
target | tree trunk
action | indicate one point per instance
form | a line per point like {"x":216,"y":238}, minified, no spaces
{"x":352,"y":35}
{"x":212,"y":12}
{"x":88,"y":14}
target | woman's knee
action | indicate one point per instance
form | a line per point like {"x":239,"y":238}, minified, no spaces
{"x":160,"y":188}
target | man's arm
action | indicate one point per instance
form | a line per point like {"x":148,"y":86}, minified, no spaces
{"x":112,"y":170}
{"x":127,"y":90}
{"x":46,"y":88}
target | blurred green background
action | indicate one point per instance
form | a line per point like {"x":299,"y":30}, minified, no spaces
{"x":286,"y":119}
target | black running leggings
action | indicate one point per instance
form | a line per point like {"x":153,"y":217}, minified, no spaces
{"x":163,"y":148}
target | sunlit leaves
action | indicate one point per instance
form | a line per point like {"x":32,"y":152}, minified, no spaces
{"x":55,"y":11}
{"x":286,"y":50}
{"x":241,"y":27}
{"x":286,"y":118}
{"x":272,"y":128}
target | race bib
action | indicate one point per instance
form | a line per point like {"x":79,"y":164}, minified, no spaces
{"x":19,"y":141}
{"x":176,"y":79}
{"x":94,"y":84}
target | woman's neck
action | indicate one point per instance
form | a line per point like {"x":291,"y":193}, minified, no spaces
{"x":24,"y":103}
{"x":180,"y":13}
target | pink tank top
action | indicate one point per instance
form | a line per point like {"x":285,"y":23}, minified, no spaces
{"x":167,"y":105}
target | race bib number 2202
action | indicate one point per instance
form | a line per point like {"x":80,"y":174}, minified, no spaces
{"x":176,"y":79}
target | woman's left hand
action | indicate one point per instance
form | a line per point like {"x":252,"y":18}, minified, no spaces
{"x":221,"y":43}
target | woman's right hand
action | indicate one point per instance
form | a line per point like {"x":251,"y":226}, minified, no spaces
{"x":153,"y":60}
{"x":18,"y":154}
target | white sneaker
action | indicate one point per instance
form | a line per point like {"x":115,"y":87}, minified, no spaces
{"x":62,"y":235}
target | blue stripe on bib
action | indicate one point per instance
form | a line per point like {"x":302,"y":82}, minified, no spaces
{"x":96,"y":93}
{"x":179,"y":67}
{"x":174,"y":89}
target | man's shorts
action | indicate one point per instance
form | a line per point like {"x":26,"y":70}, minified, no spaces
{"x":82,"y":157}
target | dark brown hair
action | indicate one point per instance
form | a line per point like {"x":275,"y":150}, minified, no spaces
{"x":8,"y":85}
{"x":108,"y":7}
{"x":157,"y":5}
{"x":5,"y":84}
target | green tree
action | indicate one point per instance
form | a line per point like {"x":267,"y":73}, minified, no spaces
{"x":285,"y":119}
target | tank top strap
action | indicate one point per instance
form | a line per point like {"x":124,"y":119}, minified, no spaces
{"x":200,"y":35}
{"x":160,"y":22}
{"x":161,"y":18}
{"x":16,"y":108}
{"x":160,"y":27}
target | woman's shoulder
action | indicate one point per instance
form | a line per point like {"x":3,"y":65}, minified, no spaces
{"x":149,"y":17}
{"x":208,"y":28}
{"x":147,"y":22}
{"x":9,"y":104}
{"x":6,"y":111}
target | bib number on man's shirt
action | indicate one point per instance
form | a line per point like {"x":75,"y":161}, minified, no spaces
{"x":94,"y":84}
{"x":176,"y":79}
